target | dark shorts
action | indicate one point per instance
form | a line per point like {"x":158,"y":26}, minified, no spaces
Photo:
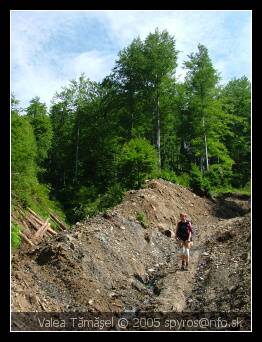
{"x":184,"y":239}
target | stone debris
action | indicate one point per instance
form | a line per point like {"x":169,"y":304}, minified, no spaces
{"x":110,"y":262}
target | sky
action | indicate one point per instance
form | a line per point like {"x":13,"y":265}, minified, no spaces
{"x":50,"y":48}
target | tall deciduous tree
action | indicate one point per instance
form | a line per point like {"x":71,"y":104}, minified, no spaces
{"x":201,"y":79}
{"x":236,"y":102}
{"x":40,"y":121}
{"x":24,"y":151}
{"x":141,"y":70}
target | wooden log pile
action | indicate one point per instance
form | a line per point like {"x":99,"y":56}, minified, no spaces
{"x":35,"y":228}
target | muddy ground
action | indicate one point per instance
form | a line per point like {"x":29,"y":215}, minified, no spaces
{"x":118,"y":262}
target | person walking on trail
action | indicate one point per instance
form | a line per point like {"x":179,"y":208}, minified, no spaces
{"x":183,"y":235}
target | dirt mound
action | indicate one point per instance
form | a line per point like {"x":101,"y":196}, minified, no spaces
{"x":124,"y":260}
{"x":162,"y":202}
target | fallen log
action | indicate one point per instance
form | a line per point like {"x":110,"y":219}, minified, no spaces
{"x":23,"y":225}
{"x":26,"y":239}
{"x":34,"y":214}
{"x":37,"y":226}
{"x":51,"y":231}
{"x":23,"y":222}
{"x":21,"y":212}
{"x":41,"y":231}
{"x":40,"y":221}
{"x":36,"y":219}
{"x":60,"y":223}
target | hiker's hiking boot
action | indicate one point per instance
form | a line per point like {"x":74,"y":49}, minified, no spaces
{"x":186,"y":268}
{"x":183,"y":266}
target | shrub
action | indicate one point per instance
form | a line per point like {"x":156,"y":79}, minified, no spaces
{"x":219,"y":175}
{"x":198,"y":183}
{"x":142,"y":219}
{"x":113,"y":196}
{"x":184,"y":180}
{"x":136,"y":163}
{"x":15,"y":236}
{"x":168,"y":175}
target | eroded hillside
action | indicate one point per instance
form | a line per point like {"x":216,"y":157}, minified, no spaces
{"x":123,"y":260}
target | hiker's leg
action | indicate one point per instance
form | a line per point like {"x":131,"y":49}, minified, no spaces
{"x":187,"y":246}
{"x":182,"y":253}
{"x":187,"y":256}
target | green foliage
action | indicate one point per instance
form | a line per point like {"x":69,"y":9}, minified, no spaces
{"x":142,"y":219}
{"x":87,"y":201}
{"x":168,"y":176}
{"x":23,"y":165}
{"x":236,"y":101}
{"x":136,"y":163}
{"x":184,"y":179}
{"x":15,"y":236}
{"x":100,"y":139}
{"x":112,"y":197}
{"x":28,"y":154}
{"x":199,"y":183}
{"x":43,"y":204}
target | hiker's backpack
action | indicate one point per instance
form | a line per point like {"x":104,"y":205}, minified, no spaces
{"x":184,"y":229}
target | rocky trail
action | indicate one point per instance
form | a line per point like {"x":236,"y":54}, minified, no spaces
{"x":125,"y":261}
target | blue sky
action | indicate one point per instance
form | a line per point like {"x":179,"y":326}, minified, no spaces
{"x":50,"y":48}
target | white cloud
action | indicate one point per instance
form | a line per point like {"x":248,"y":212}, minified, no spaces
{"x":37,"y":70}
{"x":229,"y":50}
{"x":95,"y":64}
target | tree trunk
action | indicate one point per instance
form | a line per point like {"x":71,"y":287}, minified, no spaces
{"x":206,"y":151}
{"x":131,"y":109}
{"x":203,"y":122}
{"x":201,"y":165}
{"x":77,"y":151}
{"x":158,"y":143}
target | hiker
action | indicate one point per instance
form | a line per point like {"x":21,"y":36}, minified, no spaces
{"x":183,"y":235}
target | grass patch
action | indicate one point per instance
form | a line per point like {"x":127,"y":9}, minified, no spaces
{"x":142,"y":219}
{"x":15,"y":235}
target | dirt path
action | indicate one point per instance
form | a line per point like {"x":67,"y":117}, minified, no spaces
{"x":218,"y":278}
{"x":115,"y":263}
{"x":175,"y":286}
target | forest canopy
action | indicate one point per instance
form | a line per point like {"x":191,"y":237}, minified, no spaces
{"x":99,"y":139}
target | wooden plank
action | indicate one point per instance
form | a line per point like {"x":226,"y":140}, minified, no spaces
{"x":41,"y":222}
{"x":41,"y":231}
{"x":56,"y":220}
{"x":62,"y":224}
{"x":35,"y":214}
{"x":14,"y":216}
{"x":25,"y":238}
{"x":33,"y":223}
{"x":23,"y":222}
{"x":51,"y":231}
{"x":59,"y":226}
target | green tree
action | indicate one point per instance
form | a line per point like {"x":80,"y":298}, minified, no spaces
{"x":137,"y":161}
{"x":23,"y":165}
{"x":40,"y":121}
{"x":141,"y":70}
{"x":236,"y":102}
{"x":201,"y":80}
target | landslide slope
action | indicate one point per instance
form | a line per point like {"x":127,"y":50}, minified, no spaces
{"x":117,"y":261}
